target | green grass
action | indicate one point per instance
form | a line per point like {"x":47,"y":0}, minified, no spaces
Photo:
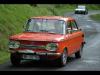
{"x":65,"y":8}
{"x":4,"y":56}
{"x":93,"y":6}
{"x":95,"y":17}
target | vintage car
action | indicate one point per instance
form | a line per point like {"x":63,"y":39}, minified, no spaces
{"x":53,"y":38}
{"x":81,"y":9}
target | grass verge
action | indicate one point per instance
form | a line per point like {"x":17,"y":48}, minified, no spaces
{"x":95,"y":17}
{"x":4,"y":56}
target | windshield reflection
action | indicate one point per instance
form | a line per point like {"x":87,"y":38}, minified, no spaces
{"x":45,"y":25}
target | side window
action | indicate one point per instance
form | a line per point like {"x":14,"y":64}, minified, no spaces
{"x":74,"y":26}
{"x":69,"y":27}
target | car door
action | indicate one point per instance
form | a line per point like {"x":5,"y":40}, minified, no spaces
{"x":76,"y":36}
{"x":73,"y":35}
{"x":69,"y":34}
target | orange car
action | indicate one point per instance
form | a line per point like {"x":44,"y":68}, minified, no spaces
{"x":47,"y":38}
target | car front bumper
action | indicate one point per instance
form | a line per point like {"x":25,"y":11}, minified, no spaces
{"x":80,"y":12}
{"x":42,"y":55}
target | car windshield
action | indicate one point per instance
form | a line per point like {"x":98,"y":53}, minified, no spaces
{"x":45,"y":25}
{"x":81,"y":7}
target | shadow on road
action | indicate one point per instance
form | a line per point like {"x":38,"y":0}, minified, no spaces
{"x":42,"y":64}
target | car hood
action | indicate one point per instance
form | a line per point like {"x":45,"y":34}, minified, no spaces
{"x":32,"y":36}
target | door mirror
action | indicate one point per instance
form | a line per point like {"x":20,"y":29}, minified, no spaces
{"x":69,"y":31}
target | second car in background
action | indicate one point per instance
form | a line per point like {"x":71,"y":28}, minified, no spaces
{"x":81,"y":9}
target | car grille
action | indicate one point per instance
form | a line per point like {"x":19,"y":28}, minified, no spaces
{"x":32,"y":46}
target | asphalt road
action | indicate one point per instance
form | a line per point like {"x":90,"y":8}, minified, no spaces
{"x":90,"y":60}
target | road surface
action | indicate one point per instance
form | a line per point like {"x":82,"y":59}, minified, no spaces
{"x":90,"y":60}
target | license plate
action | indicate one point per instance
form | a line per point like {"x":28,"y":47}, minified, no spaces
{"x":34,"y":57}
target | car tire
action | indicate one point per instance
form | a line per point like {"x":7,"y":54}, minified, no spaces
{"x":79,"y":53}
{"x":85,"y":13}
{"x":75,"y":12}
{"x":62,"y":61}
{"x":15,"y":59}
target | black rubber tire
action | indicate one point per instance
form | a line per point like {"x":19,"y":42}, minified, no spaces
{"x":79,"y":53}
{"x":85,"y":13}
{"x":75,"y":12}
{"x":15,"y":59}
{"x":62,"y":61}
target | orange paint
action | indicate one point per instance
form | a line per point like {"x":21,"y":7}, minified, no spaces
{"x":71,"y":41}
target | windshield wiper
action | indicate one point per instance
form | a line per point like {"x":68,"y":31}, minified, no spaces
{"x":28,"y":30}
{"x":43,"y":30}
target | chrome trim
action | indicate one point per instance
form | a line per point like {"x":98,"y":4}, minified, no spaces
{"x":53,"y":53}
{"x":33,"y":52}
{"x":26,"y":51}
{"x":64,"y":28}
{"x":40,"y":53}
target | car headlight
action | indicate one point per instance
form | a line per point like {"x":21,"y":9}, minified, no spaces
{"x":14,"y":44}
{"x":51,"y":46}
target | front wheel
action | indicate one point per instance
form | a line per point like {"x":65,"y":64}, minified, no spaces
{"x":79,"y":53}
{"x":63,"y":59}
{"x":84,"y":13}
{"x":87,"y":12}
{"x":15,"y":59}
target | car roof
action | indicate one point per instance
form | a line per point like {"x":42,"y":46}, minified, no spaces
{"x":54,"y":17}
{"x":82,"y":5}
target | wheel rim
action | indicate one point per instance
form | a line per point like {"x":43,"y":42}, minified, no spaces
{"x":64,"y":58}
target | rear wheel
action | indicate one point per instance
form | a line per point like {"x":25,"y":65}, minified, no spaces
{"x":79,"y":53}
{"x":63,"y":59}
{"x":15,"y":59}
{"x":86,"y":11}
